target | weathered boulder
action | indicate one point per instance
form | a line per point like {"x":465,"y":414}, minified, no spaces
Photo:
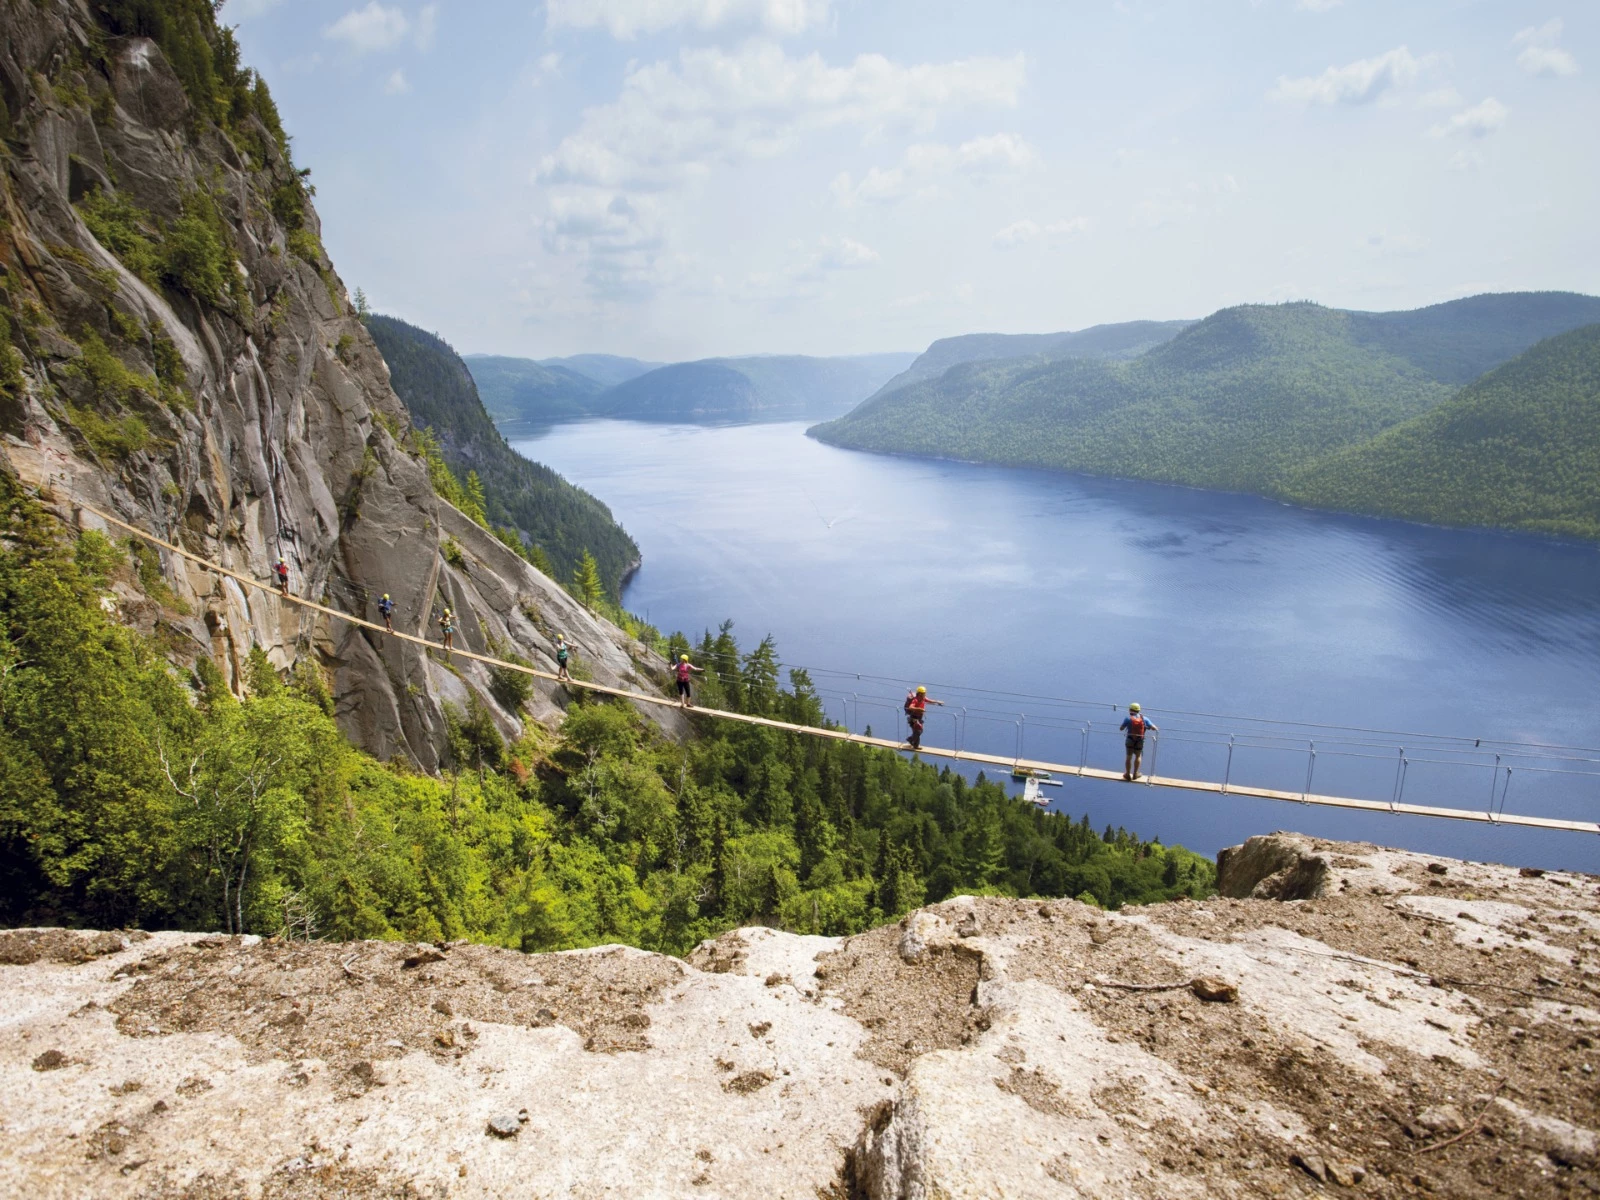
{"x":1277,"y":866}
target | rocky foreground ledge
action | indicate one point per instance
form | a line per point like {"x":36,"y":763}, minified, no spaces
{"x":1353,"y":1021}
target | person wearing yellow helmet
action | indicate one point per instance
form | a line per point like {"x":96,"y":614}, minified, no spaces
{"x":916,"y":712}
{"x":386,"y":610}
{"x":563,"y":653}
{"x":1135,"y":725}
{"x":682,"y":671}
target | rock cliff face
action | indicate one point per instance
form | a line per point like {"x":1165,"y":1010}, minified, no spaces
{"x":196,"y":368}
{"x":1421,"y":1028}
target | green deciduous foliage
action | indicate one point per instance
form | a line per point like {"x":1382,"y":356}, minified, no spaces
{"x":129,"y":794}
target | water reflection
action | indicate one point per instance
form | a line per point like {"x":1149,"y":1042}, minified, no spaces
{"x":1046,"y":584}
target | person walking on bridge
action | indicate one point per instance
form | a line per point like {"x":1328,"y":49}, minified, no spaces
{"x":916,"y":713}
{"x":563,"y":654}
{"x":682,"y":670}
{"x":281,"y":570}
{"x":1135,"y":725}
{"x":386,"y":610}
{"x":447,"y":627}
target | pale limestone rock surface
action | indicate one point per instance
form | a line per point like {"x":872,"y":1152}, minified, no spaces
{"x":981,"y":1047}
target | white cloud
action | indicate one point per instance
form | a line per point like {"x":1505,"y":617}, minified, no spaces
{"x":1318,"y":5}
{"x":1479,"y":121}
{"x":1540,"y":54}
{"x":371,"y":28}
{"x":397,"y":84}
{"x":608,"y":188}
{"x":427,"y":25}
{"x":625,"y":19}
{"x":1360,"y":82}
{"x":715,"y":107}
{"x":1445,"y":97}
{"x":846,"y":254}
{"x":1020,"y":232}
{"x":927,"y":162}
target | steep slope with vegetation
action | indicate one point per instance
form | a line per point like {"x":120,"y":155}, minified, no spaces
{"x":520,"y":391}
{"x":176,"y":348}
{"x":124,"y":801}
{"x":1242,"y":401}
{"x":178,"y":750}
{"x":1128,"y":339}
{"x":1518,"y":449}
{"x":557,"y":522}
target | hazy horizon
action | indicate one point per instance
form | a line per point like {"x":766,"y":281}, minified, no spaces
{"x":682,"y":179}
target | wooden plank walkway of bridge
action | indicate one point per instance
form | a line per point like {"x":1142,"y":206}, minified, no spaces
{"x":840,"y":735}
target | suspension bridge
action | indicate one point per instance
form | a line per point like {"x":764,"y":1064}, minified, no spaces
{"x":1493,"y":814}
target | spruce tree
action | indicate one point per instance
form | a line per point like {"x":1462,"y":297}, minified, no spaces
{"x":586,"y":585}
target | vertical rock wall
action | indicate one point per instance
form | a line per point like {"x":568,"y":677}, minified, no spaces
{"x":278,"y":432}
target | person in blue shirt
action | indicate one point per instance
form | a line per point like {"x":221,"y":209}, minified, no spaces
{"x":386,"y":608}
{"x":1135,"y":725}
{"x":563,"y":655}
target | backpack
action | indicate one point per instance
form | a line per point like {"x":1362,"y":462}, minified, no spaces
{"x":1136,"y":725}
{"x":912,"y":708}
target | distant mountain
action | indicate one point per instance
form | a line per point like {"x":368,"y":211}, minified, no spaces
{"x":1518,"y":449}
{"x":549,"y":512}
{"x":1460,"y":340}
{"x":521,"y":390}
{"x":1126,"y":340}
{"x":607,"y":370}
{"x":764,"y":388}
{"x":1229,"y":403}
{"x":1244,"y":400}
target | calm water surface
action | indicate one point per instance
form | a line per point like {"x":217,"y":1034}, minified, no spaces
{"x":1002,"y":588}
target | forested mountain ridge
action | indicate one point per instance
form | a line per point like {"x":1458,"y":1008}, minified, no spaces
{"x":607,"y":370}
{"x":1239,"y":401}
{"x":1517,"y":449}
{"x":542,"y":507}
{"x":510,"y":388}
{"x":778,"y":387}
{"x":1229,"y":403}
{"x":1127,"y":339}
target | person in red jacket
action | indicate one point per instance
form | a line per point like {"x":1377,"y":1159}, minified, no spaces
{"x":281,"y":570}
{"x":681,"y":671}
{"x":916,"y":712}
{"x":1135,"y":725}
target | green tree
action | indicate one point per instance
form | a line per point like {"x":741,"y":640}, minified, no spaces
{"x":586,"y":584}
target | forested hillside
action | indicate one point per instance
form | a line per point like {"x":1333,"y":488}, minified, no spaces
{"x":1241,"y":401}
{"x":127,"y":799}
{"x":1229,"y":403}
{"x":775,"y":387}
{"x":1128,"y":339}
{"x":1518,"y":449}
{"x":509,"y":491}
{"x":519,"y":390}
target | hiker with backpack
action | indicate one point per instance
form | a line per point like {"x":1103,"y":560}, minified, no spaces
{"x":1135,"y":725}
{"x":916,"y":710}
{"x":386,"y":611}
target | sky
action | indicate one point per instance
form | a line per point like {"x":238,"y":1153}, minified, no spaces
{"x":674,"y":179}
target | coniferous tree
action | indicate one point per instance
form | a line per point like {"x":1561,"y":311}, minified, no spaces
{"x":586,"y":585}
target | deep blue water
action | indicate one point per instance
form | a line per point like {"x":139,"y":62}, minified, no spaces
{"x":1000,"y":588}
